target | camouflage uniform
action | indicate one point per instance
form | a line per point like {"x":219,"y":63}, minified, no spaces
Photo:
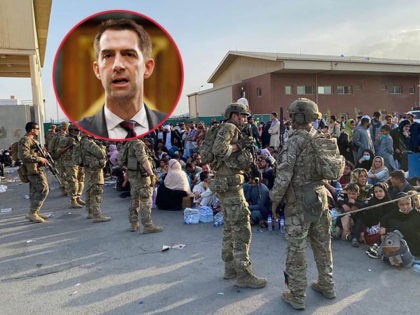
{"x":228,"y":183}
{"x":94,"y":160}
{"x":53,"y":150}
{"x":49,"y":136}
{"x":140,"y":182}
{"x":294,"y":172}
{"x":38,"y":184}
{"x":74,"y":175}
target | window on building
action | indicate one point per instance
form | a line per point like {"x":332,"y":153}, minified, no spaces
{"x":288,"y":90}
{"x":304,"y":89}
{"x":259,"y":91}
{"x":395,"y":89}
{"x":342,"y":89}
{"x":412,"y":90}
{"x":326,"y":89}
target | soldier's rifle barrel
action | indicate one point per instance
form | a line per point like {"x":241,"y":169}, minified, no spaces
{"x":50,"y":163}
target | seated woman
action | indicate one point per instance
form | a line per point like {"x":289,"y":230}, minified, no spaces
{"x":366,"y":160}
{"x":369,"y":221}
{"x":378,"y":171}
{"x":174,"y":188}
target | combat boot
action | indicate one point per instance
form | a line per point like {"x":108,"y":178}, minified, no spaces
{"x":80,"y":201}
{"x":328,"y":293}
{"x":288,"y":297}
{"x":134,"y":226}
{"x":100,"y":218}
{"x":74,"y":204}
{"x":230,"y":272}
{"x":43,"y":216}
{"x":150,"y":228}
{"x":247,"y":279}
{"x":34,"y":217}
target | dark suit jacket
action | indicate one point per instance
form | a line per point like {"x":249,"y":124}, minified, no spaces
{"x":96,"y":124}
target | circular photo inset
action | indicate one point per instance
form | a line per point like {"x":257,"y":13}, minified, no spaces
{"x":118,"y":75}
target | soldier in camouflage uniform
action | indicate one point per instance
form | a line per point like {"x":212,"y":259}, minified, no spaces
{"x":94,"y":160}
{"x":137,"y":161}
{"x":50,"y":135}
{"x":53,"y":150}
{"x":34,"y":164}
{"x":294,"y":171}
{"x":74,"y":174}
{"x":230,"y":161}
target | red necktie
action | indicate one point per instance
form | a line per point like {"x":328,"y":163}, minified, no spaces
{"x":128,"y":125}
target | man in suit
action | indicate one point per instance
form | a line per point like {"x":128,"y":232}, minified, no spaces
{"x":123,"y":52}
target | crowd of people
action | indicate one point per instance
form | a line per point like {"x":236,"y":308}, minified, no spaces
{"x":172,"y":176}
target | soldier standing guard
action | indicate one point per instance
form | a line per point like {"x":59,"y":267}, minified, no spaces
{"x":294,"y":174}
{"x":230,"y":161}
{"x":53,"y":148}
{"x":136,"y":159}
{"x":74,"y":174}
{"x":34,"y":164}
{"x":94,"y":160}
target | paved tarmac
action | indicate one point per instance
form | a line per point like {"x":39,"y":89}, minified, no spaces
{"x":72,"y":266}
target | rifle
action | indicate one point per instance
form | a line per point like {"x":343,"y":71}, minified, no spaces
{"x":282,"y":127}
{"x":50,"y":163}
{"x":247,"y":131}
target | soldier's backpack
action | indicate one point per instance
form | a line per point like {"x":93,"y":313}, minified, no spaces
{"x":206,"y":148}
{"x":329,"y":164}
{"x":76,"y":156}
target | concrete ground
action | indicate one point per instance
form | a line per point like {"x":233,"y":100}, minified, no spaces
{"x":72,"y":266}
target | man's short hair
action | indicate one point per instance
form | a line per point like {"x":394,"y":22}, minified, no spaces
{"x":333,"y":118}
{"x":144,"y":41}
{"x":204,"y":175}
{"x":376,"y":114}
{"x":388,"y":116}
{"x":274,"y":114}
{"x":386,"y":128}
{"x":30,"y":125}
{"x":398,"y":174}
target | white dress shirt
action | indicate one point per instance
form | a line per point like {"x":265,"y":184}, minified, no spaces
{"x":115,"y":131}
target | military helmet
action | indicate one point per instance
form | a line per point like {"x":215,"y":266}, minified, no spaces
{"x":64,"y":125}
{"x":236,"y":108}
{"x":73,"y":127}
{"x":303,"y":111}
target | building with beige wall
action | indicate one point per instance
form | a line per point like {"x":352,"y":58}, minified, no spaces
{"x":339,"y":84}
{"x":23,"y":41}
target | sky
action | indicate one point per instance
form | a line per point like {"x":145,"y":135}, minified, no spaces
{"x":205,"y":31}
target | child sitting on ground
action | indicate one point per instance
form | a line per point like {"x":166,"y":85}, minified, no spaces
{"x":348,"y":200}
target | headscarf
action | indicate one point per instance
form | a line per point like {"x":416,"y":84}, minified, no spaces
{"x":364,"y":190}
{"x":376,"y":170}
{"x":349,"y":129}
{"x":385,"y":188}
{"x":176,"y":179}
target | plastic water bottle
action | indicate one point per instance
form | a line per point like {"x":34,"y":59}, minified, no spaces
{"x":282,"y":229}
{"x":218,"y":219}
{"x":270,"y":223}
{"x":416,"y":268}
